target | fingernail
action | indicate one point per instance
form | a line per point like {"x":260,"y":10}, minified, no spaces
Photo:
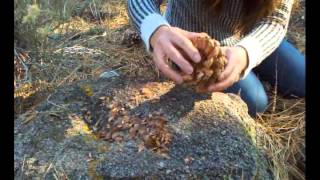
{"x":197,"y":57}
{"x":190,"y":70}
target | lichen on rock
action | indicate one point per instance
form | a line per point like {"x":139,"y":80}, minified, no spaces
{"x":204,"y":143}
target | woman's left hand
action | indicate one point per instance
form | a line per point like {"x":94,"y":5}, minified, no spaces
{"x":237,"y":63}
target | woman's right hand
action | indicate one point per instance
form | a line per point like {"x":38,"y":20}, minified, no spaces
{"x":166,"y":42}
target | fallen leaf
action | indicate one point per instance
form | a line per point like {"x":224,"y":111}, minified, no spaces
{"x":141,"y":147}
{"x":133,"y":131}
{"x":165,"y":155}
{"x":101,"y":134}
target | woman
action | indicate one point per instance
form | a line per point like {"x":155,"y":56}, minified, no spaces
{"x":251,"y":34}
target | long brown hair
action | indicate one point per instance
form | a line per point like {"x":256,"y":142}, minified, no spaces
{"x":254,"y":10}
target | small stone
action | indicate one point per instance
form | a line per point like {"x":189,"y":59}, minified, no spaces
{"x":32,"y":160}
{"x":224,"y":132}
{"x":161,"y":164}
{"x":187,"y":169}
{"x":188,"y":159}
{"x":108,"y":74}
{"x":168,"y":171}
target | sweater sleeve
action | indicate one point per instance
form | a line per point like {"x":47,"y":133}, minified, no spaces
{"x":146,"y":17}
{"x":266,"y":35}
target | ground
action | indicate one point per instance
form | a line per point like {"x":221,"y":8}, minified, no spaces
{"x":86,"y":46}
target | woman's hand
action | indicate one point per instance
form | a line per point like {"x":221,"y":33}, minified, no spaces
{"x":237,"y":63}
{"x":167,"y":43}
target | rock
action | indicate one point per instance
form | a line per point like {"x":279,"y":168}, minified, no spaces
{"x":108,"y":74}
{"x":161,"y":164}
{"x":67,"y":144}
{"x":223,"y":132}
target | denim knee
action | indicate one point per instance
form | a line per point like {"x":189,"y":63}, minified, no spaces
{"x":252,"y":93}
{"x":285,"y":67}
{"x":257,"y":103}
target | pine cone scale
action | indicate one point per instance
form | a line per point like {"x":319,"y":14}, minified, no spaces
{"x":209,"y":68}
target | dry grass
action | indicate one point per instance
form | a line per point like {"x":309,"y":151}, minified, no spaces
{"x":282,"y":137}
{"x":85,"y":48}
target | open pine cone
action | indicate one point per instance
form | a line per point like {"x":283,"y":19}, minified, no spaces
{"x":209,"y":68}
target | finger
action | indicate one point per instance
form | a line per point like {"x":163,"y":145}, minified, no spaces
{"x":191,"y":35}
{"x":188,"y":34}
{"x":229,"y":68}
{"x":177,"y":58}
{"x":186,"y":45}
{"x":227,"y":72}
{"x":159,"y":58}
{"x":225,"y":83}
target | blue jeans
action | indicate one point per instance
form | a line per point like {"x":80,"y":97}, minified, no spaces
{"x":286,"y":65}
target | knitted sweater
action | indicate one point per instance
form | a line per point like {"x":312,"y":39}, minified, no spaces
{"x":192,"y":15}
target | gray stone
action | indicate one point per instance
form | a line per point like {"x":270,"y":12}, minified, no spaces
{"x":215,"y":130}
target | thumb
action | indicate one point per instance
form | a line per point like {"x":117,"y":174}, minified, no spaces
{"x":227,"y":52}
{"x":229,"y":68}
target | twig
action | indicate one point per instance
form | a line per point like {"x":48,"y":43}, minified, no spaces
{"x":56,"y":172}
{"x":294,"y":105}
{"x":55,"y":176}
{"x":55,"y":158}
{"x":97,"y":13}
{"x":64,"y":9}
{"x":67,"y":39}
{"x":52,"y":103}
{"x":92,"y":12}
{"x":22,"y":169}
{"x":74,"y":71}
{"x":26,"y":69}
{"x":276,"y":88}
{"x":65,"y":174}
{"x":96,"y":36}
{"x":45,"y":174}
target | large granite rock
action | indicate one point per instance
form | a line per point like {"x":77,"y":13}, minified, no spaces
{"x":213,"y":136}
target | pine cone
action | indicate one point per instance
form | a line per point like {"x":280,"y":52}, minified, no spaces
{"x":130,"y":37}
{"x":209,"y":68}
